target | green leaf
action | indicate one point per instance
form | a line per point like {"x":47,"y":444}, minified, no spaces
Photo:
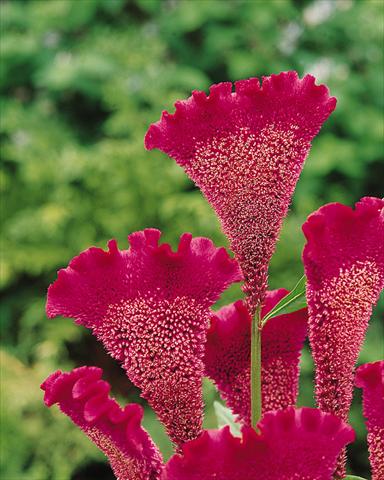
{"x":295,"y":300}
{"x":353,"y":477}
{"x":225,"y":417}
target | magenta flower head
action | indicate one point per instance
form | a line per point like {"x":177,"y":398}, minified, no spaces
{"x":370,"y":377}
{"x":245,"y":151}
{"x":228,"y":356}
{"x":150,"y":308}
{"x":83,"y":396}
{"x":344,"y":264}
{"x":295,"y":443}
{"x":298,"y":444}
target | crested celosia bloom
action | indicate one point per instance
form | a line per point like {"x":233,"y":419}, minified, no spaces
{"x":150,"y":308}
{"x":370,"y":377}
{"x":84,"y":397}
{"x":245,"y":151}
{"x":288,"y":447}
{"x":228,"y":355}
{"x":294,"y":443}
{"x":344,"y":264}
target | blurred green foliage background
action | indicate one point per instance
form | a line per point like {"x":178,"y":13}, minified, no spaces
{"x":81,"y":80}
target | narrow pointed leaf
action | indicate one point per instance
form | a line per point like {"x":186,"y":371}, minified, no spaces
{"x":295,"y":300}
{"x":353,"y":477}
{"x":225,"y":417}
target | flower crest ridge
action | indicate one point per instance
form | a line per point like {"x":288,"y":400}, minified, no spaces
{"x":83,"y":396}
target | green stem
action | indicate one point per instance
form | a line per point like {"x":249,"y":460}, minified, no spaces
{"x":256,"y":369}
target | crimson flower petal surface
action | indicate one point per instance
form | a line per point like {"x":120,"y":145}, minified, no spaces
{"x":245,"y":151}
{"x":228,"y":355}
{"x":370,"y":377}
{"x":150,"y":308}
{"x":83,"y":396}
{"x":300,"y":444}
{"x":344,"y":265}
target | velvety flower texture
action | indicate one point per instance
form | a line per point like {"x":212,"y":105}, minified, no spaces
{"x":245,"y":151}
{"x":83,"y":396}
{"x":298,"y":444}
{"x":150,"y":308}
{"x":370,"y":377}
{"x":228,"y":356}
{"x":301,"y":444}
{"x":344,"y":265}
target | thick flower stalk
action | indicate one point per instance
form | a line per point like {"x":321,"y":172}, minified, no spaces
{"x":300,"y":444}
{"x":150,"y":307}
{"x":83,"y":396}
{"x":344,"y":265}
{"x":245,"y":151}
{"x":228,"y":356}
{"x":370,"y":377}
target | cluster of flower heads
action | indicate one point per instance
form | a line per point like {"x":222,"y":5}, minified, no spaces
{"x":151,"y":306}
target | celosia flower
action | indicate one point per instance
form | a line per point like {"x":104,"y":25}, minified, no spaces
{"x":228,"y":355}
{"x":300,"y":444}
{"x":150,"y":308}
{"x":370,"y":377}
{"x":295,"y":443}
{"x":83,"y":396}
{"x":245,"y":150}
{"x":344,"y":264}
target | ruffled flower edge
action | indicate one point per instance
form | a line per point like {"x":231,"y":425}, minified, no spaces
{"x":334,"y":213}
{"x":197,"y":256}
{"x":84,"y":397}
{"x":201,"y":110}
{"x":332,"y":223}
{"x":370,"y":375}
{"x":291,"y":442}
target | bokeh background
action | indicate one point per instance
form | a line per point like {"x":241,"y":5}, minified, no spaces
{"x":81,"y":80}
